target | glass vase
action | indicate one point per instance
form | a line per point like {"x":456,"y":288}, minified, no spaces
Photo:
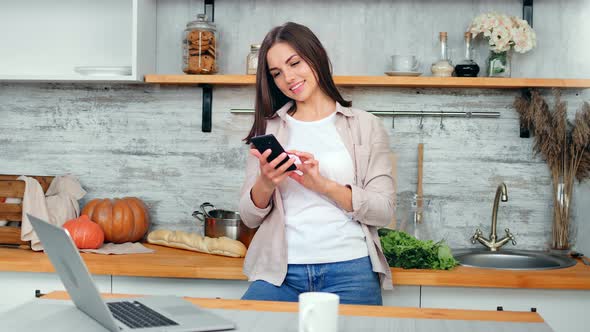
{"x":420,"y":217}
{"x":562,"y":230}
{"x":498,"y":64}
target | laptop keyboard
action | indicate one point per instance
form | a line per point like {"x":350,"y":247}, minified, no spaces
{"x":136,"y":315}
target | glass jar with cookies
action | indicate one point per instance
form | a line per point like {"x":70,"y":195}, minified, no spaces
{"x":199,"y":47}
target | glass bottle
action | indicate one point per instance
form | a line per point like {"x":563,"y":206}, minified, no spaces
{"x":252,"y":59}
{"x":467,"y":67}
{"x":442,"y":67}
{"x":199,"y":47}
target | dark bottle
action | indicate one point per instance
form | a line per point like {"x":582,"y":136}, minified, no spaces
{"x":467,"y":67}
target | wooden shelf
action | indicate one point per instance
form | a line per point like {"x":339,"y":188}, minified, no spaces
{"x":387,"y":81}
{"x":201,"y":79}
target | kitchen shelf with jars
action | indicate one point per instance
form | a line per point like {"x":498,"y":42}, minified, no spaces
{"x":84,"y":40}
{"x":503,"y":34}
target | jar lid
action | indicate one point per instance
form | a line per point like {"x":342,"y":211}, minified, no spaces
{"x":254,"y":47}
{"x":202,"y":22}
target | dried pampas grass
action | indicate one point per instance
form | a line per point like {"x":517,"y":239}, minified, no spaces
{"x":565,"y":146}
{"x":581,"y":146}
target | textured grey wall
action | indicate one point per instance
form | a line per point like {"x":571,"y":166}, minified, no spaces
{"x":145,"y":140}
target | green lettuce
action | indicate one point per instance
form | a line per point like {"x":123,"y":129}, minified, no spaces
{"x":405,"y":251}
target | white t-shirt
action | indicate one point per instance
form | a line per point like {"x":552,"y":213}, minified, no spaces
{"x":317,"y":229}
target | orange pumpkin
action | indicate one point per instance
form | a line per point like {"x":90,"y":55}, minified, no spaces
{"x":85,"y":233}
{"x":122,"y":220}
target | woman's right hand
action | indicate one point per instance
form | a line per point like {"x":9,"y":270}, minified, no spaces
{"x":269,"y":176}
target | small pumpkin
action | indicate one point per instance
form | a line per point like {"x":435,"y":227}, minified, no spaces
{"x":122,"y":219}
{"x":85,"y":233}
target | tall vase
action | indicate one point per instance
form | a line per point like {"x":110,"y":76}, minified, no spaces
{"x":499,"y":64}
{"x":561,"y":238}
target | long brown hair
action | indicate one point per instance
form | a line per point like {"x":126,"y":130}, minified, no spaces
{"x":269,"y":97}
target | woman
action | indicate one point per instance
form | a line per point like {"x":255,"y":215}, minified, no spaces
{"x":318,"y":224}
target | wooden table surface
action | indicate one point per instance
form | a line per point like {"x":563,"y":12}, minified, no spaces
{"x":177,"y":263}
{"x":353,"y":310}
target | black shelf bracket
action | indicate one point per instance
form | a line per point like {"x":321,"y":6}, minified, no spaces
{"x":206,"y":122}
{"x":207,"y":106}
{"x":527,"y":11}
{"x":527,"y":15}
{"x":210,"y":10}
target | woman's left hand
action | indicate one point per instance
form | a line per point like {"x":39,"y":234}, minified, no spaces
{"x":310,"y":169}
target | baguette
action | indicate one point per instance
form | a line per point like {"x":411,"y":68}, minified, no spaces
{"x":192,"y":241}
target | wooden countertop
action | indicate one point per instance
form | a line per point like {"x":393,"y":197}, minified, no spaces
{"x":176,"y":263}
{"x":354,"y":310}
{"x":165,"y":262}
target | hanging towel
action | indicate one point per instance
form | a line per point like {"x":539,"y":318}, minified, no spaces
{"x":62,"y":198}
{"x":35,"y":205}
{"x":60,"y":205}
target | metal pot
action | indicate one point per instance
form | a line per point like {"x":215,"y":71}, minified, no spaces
{"x":218,"y":223}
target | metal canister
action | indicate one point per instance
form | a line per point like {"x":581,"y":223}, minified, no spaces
{"x":218,"y":223}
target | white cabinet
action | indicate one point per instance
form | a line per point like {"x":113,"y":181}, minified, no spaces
{"x":563,"y":310}
{"x":401,"y":296}
{"x":45,"y":40}
{"x":17,"y":288}
{"x":205,"y":288}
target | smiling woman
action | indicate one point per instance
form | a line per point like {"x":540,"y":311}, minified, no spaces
{"x":293,"y":76}
{"x":317,"y":225}
{"x":295,"y":48}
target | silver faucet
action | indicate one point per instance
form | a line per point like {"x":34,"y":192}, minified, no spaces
{"x":491,"y":242}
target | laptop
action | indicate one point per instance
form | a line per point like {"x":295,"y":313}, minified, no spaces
{"x":150,"y":313}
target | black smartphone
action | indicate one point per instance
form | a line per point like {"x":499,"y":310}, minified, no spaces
{"x":264,"y":142}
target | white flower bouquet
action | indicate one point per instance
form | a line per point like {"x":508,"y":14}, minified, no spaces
{"x":504,"y":32}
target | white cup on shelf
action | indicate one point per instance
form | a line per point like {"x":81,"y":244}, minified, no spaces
{"x":404,"y":63}
{"x":318,"y":312}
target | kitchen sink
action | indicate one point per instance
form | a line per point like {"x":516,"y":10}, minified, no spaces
{"x":509,"y":259}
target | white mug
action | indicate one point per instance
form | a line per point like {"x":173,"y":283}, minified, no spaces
{"x":404,"y":63}
{"x":318,"y":312}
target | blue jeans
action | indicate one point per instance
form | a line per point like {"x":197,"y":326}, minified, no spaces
{"x":354,"y":281}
